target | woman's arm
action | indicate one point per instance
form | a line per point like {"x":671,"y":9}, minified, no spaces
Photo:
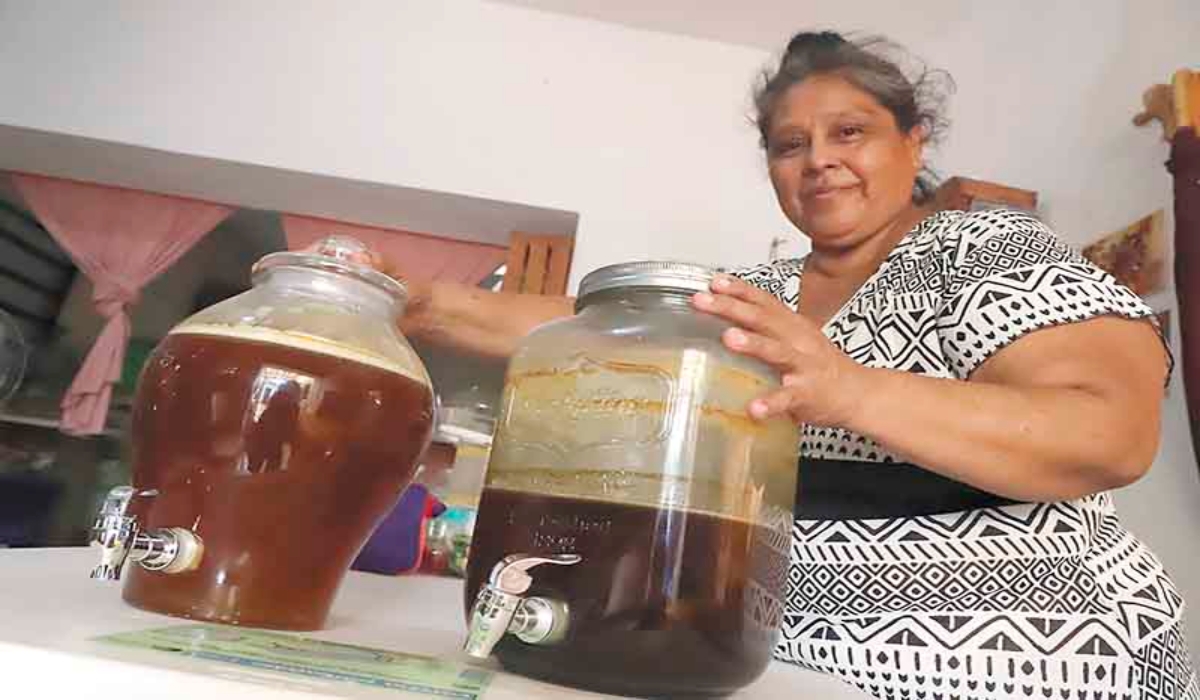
{"x":463,"y":317}
{"x":1060,"y":413}
{"x":476,"y":320}
{"x":1056,"y":414}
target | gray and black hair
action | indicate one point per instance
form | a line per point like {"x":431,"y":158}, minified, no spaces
{"x":865,"y":63}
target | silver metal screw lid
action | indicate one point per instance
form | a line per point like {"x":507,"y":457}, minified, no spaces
{"x":340,"y":254}
{"x":648,"y":274}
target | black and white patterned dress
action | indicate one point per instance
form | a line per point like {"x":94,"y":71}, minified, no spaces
{"x":910,"y":585}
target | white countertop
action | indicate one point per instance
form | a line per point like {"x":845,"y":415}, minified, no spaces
{"x":50,"y":609}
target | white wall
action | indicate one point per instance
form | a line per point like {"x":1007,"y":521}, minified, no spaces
{"x":644,"y":134}
{"x":1045,"y":101}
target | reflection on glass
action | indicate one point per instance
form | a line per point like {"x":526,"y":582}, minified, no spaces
{"x":279,"y":402}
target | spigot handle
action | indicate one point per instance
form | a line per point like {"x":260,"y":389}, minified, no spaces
{"x":497,"y":602}
{"x":121,"y":539}
{"x":115,"y":504}
{"x":114,"y":532}
{"x":511,"y":574}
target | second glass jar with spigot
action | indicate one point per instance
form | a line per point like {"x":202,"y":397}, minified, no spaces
{"x":634,"y":529}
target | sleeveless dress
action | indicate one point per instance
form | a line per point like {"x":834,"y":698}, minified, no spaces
{"x":911,"y":585}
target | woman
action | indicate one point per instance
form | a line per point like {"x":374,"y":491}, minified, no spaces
{"x":970,"y":389}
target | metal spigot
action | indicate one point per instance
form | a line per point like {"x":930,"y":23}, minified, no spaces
{"x":171,"y":550}
{"x":499,"y":608}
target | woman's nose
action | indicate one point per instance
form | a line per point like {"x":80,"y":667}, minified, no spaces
{"x":821,"y":156}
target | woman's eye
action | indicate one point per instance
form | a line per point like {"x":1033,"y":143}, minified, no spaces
{"x":850,"y":131}
{"x":787,"y":145}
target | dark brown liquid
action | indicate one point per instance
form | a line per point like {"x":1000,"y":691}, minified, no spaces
{"x":282,"y":460}
{"x":664,"y":602}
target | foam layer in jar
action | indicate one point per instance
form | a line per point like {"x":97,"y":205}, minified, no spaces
{"x":299,"y":341}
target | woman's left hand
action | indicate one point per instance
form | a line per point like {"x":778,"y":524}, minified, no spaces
{"x":820,"y":384}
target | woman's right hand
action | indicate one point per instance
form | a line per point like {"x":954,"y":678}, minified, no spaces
{"x":465,"y":317}
{"x":420,"y":293}
{"x":415,"y":319}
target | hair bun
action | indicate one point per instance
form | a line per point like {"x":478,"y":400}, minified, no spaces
{"x":815,"y":41}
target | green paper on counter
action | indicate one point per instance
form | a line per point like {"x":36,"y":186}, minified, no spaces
{"x":313,"y":658}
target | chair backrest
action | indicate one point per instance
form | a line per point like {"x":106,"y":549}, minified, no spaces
{"x":538,"y":264}
{"x":967,"y":194}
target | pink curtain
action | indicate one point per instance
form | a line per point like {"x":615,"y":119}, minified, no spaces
{"x":121,"y":239}
{"x":413,"y":255}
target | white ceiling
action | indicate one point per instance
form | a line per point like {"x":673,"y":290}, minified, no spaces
{"x":767,"y":24}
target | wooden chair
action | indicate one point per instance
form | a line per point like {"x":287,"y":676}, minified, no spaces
{"x":538,"y":264}
{"x":967,"y":194}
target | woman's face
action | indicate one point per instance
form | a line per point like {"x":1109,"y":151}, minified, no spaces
{"x":842,"y":169}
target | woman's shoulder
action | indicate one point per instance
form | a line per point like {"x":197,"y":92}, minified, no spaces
{"x":775,"y":269}
{"x":980,"y":226}
{"x":779,"y":277}
{"x":995,"y":234}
